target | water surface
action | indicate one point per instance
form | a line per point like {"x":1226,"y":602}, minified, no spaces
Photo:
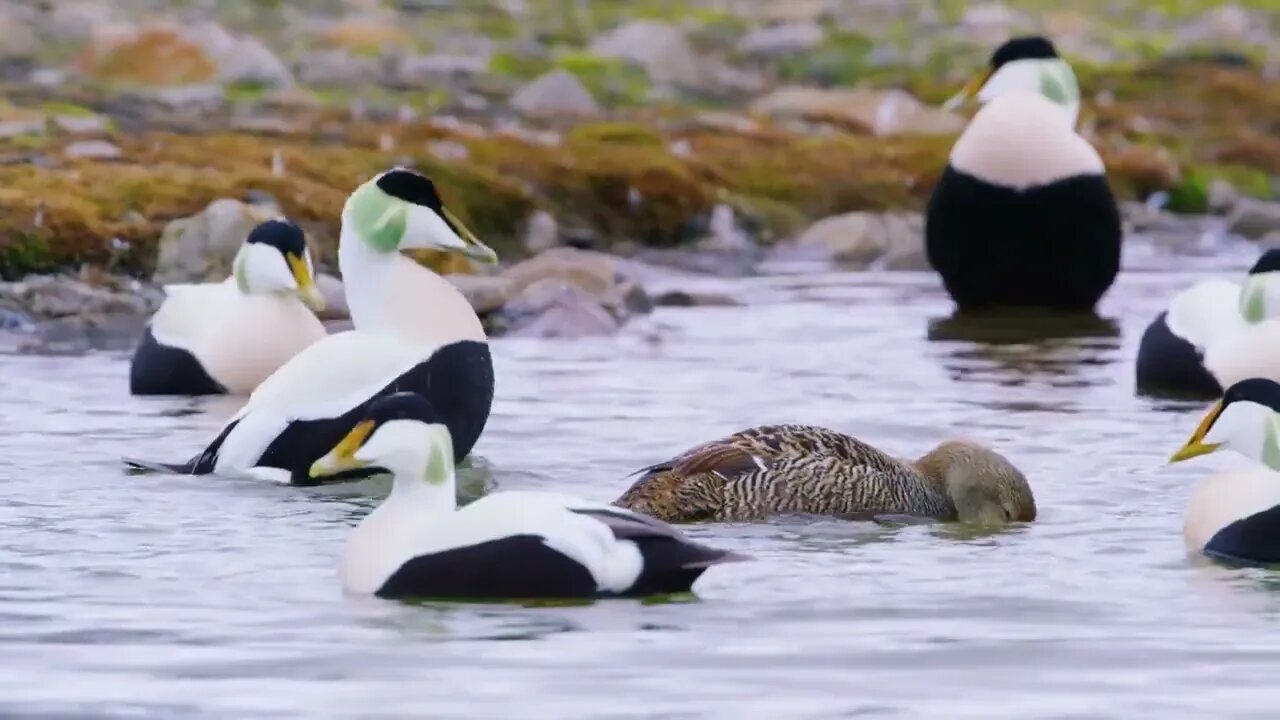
{"x":199,"y":597}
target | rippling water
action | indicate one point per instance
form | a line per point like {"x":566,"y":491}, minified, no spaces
{"x":195,"y":597}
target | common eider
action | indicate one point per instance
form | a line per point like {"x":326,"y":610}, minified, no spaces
{"x":780,"y":469}
{"x":227,"y":337}
{"x":507,"y":545}
{"x":1214,"y":334}
{"x":413,"y":331}
{"x":1026,"y":64}
{"x":1235,"y":515}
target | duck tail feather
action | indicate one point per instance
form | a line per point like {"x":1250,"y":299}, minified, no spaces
{"x":134,"y":466}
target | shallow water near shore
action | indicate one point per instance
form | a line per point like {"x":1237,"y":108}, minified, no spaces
{"x":160,"y":596}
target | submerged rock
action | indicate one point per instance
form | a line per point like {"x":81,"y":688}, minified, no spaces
{"x":1253,"y":219}
{"x":566,"y":292}
{"x":200,"y":248}
{"x":557,"y":308}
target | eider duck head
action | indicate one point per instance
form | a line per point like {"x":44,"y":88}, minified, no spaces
{"x":1260,"y":293}
{"x":982,"y":484}
{"x":275,"y":259}
{"x":1245,"y":420}
{"x":401,"y":434}
{"x":1025,"y":64}
{"x":400,"y":209}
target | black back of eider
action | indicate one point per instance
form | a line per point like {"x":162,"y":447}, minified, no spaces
{"x":457,"y":380}
{"x":516,"y":566}
{"x":1252,"y":540}
{"x":1052,"y":246}
{"x":162,"y":370}
{"x":1169,"y":365}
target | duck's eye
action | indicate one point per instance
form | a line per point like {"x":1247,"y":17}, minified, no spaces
{"x":1008,"y":514}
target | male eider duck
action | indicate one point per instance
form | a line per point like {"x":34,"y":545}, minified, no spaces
{"x":1235,"y":515}
{"x":413,"y":331}
{"x":1025,"y":64}
{"x":778,"y":469}
{"x":1022,"y":215}
{"x":1214,"y":334}
{"x":227,"y":337}
{"x":508,"y":545}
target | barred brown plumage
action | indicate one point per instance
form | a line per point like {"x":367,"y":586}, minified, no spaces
{"x":776,"y":469}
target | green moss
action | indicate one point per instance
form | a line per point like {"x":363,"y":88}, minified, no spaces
{"x":22,"y":253}
{"x":629,"y":134}
{"x":615,"y":81}
{"x":246,"y":92}
{"x":59,"y":107}
{"x":1191,"y":196}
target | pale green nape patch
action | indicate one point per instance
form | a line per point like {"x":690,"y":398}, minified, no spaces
{"x":1271,"y":443}
{"x":1253,"y":300}
{"x":378,"y":217}
{"x":242,"y":273}
{"x":1058,"y":82}
{"x":440,"y":461}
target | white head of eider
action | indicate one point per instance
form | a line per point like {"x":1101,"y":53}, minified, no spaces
{"x":1235,"y":515}
{"x":413,"y":331}
{"x":1026,"y":64}
{"x":1214,"y":334}
{"x":227,"y":337}
{"x":507,"y":545}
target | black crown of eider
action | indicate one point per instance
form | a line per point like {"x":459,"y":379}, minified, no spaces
{"x":1269,"y":262}
{"x":402,"y":406}
{"x":281,"y":235}
{"x":411,"y":187}
{"x":1258,"y":390}
{"x":1033,"y":47}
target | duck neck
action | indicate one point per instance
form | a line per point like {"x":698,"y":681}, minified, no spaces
{"x":365,"y":273}
{"x":938,"y":484}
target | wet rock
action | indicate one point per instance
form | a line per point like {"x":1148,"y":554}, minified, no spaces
{"x":681,"y":298}
{"x":781,"y":40}
{"x":486,"y":293}
{"x":80,"y":334}
{"x":46,"y":297}
{"x":558,"y":92}
{"x":541,"y":233}
{"x":556,"y":308}
{"x":882,"y":112}
{"x":200,"y":248}
{"x":338,"y":68}
{"x":92,"y":149}
{"x":15,"y":320}
{"x":661,"y":49}
{"x":335,"y":298}
{"x":597,"y":274}
{"x":860,"y":239}
{"x":1253,"y":219}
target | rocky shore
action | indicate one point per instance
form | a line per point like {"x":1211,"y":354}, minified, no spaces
{"x":588,"y":142}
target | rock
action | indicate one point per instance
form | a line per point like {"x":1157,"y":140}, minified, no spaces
{"x":367,"y":35}
{"x":991,"y":23}
{"x":15,"y":320}
{"x":558,"y":92}
{"x":597,"y":274}
{"x":781,"y":40}
{"x":338,"y":68}
{"x":181,"y":97}
{"x":556,"y":308}
{"x":681,"y":298}
{"x":248,"y":60}
{"x":93,"y":150}
{"x":541,"y":232}
{"x":661,"y":49}
{"x":48,"y":297}
{"x":1223,"y":196}
{"x":18,"y":40}
{"x":157,"y":54}
{"x":82,"y":124}
{"x":335,"y":298}
{"x":486,"y":293}
{"x":200,"y":248}
{"x":72,"y":20}
{"x":14,"y":128}
{"x":882,"y":112}
{"x":429,"y":70}
{"x":857,"y":240}
{"x":1252,"y":219}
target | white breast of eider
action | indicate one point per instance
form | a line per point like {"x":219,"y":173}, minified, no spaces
{"x":1205,"y":312}
{"x":1225,"y":498}
{"x":1020,"y":141}
{"x":1245,"y":352}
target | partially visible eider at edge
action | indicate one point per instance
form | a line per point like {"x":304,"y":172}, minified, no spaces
{"x":781,"y":469}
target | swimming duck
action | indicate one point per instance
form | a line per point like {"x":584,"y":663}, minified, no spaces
{"x":1025,"y":64}
{"x":777,"y":469}
{"x":507,"y":545}
{"x":1235,"y":515}
{"x":1022,"y":215}
{"x":413,"y":331}
{"x":227,"y":337}
{"x":1214,"y":334}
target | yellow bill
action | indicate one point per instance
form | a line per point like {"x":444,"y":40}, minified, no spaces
{"x":342,"y":456}
{"x":970,"y":90}
{"x":474,"y":248}
{"x":1196,"y":446}
{"x":307,"y":290}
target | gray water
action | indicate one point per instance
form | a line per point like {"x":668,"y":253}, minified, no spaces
{"x":163,"y":596}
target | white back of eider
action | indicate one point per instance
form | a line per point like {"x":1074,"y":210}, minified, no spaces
{"x":1247,"y":352}
{"x":1224,"y":498}
{"x":395,"y":533}
{"x":326,"y":379}
{"x":1205,"y":312}
{"x":1019,"y":140}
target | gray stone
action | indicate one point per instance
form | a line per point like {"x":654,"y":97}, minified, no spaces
{"x":200,"y":248}
{"x":1223,"y":196}
{"x":1252,"y":219}
{"x":859,"y":239}
{"x":92,"y":149}
{"x":203,"y":96}
{"x":558,"y":92}
{"x":781,"y":40}
{"x":18,"y":40}
{"x":338,"y":68}
{"x":429,"y":70}
{"x":250,"y":61}
{"x":555,"y":308}
{"x":681,"y":298}
{"x":486,"y":293}
{"x":47,"y":297}
{"x":661,"y":49}
{"x":82,"y":124}
{"x":541,"y":232}
{"x":14,"y":128}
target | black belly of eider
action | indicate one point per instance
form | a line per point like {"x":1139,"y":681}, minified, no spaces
{"x":1253,"y":540}
{"x":1055,"y":246}
{"x":1169,"y":365}
{"x":158,"y":369}
{"x":457,"y":380}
